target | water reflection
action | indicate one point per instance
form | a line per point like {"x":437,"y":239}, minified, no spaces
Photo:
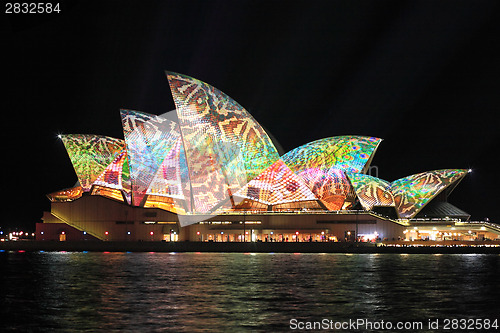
{"x":243,"y":292}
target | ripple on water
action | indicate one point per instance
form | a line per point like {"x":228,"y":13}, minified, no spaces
{"x":238,"y":292}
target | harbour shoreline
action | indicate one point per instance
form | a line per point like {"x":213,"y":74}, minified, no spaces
{"x":257,"y":247}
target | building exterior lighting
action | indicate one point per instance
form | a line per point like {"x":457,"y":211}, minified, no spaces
{"x":271,"y":180}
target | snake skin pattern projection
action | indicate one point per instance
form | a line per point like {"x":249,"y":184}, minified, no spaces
{"x":412,"y":193}
{"x":322,"y":164}
{"x":348,"y":153}
{"x":117,"y":175}
{"x":371,"y":191}
{"x":277,"y":184}
{"x":171,"y":178}
{"x":219,"y":135}
{"x":331,"y":186}
{"x":90,"y":155}
{"x":149,"y":138}
{"x":167,"y":181}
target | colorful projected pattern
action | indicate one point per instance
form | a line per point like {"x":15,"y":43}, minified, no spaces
{"x":167,"y":181}
{"x":126,"y":182}
{"x":347,"y":153}
{"x":322,"y":164}
{"x":90,"y":155}
{"x":412,"y":193}
{"x":277,"y":184}
{"x":371,"y":191}
{"x":201,"y":107}
{"x":149,"y":138}
{"x":115,"y":175}
{"x":331,"y":186}
{"x":225,"y":147}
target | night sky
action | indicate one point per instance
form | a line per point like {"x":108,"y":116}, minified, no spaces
{"x":422,"y":75}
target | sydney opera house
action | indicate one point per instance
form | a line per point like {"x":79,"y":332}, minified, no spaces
{"x":209,"y":172}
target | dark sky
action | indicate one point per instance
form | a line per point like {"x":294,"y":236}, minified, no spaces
{"x":422,"y":75}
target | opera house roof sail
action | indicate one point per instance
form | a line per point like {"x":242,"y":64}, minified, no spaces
{"x":408,"y":195}
{"x":214,"y":157}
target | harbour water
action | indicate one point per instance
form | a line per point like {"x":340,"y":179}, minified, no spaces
{"x":236,"y":292}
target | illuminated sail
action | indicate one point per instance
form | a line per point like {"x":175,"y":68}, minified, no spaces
{"x":276,"y":185}
{"x":371,"y":191}
{"x":91,"y":155}
{"x":225,"y":147}
{"x":149,"y":139}
{"x":412,"y":193}
{"x":323,"y":163}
